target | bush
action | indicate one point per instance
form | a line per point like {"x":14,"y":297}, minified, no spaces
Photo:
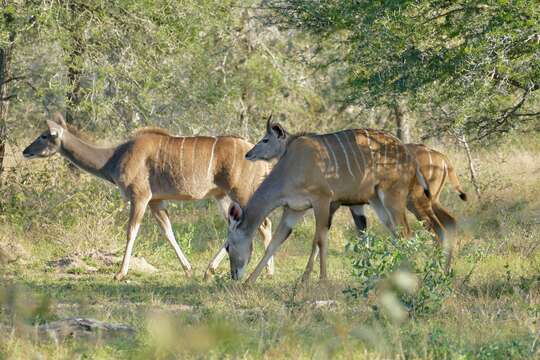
{"x":413,"y":269}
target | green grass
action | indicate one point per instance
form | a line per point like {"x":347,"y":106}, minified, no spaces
{"x":492,"y":310}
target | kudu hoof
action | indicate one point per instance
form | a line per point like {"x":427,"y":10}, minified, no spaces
{"x":119,"y":276}
{"x":208,"y":274}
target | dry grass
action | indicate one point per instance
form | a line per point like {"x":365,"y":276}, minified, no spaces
{"x":493,"y":310}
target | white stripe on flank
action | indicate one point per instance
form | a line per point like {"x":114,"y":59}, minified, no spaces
{"x":430,"y":165}
{"x":193,"y":162}
{"x":369,"y":147}
{"x":345,"y":153}
{"x":182,"y":162}
{"x":336,"y":166}
{"x":210,"y":163}
{"x":354,"y":149}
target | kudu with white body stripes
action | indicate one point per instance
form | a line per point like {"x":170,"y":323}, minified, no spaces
{"x":153,"y":166}
{"x":351,"y":167}
{"x":433,"y":165}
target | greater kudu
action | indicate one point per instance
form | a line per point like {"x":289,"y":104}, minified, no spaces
{"x":323,"y":172}
{"x":434,"y":165}
{"x":153,"y":166}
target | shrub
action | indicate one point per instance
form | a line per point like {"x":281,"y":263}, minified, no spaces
{"x":413,"y":269}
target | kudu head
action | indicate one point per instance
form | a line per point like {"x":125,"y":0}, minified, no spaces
{"x":49,"y":142}
{"x":239,"y":245}
{"x":272,"y":145}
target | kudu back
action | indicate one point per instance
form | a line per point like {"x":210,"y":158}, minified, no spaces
{"x":153,"y":166}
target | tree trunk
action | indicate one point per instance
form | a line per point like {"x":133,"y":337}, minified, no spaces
{"x":472,"y":168}
{"x":403,"y":131}
{"x":74,"y":63}
{"x":5,"y":75}
{"x":73,"y":96}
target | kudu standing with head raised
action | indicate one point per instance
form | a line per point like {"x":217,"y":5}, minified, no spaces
{"x":153,"y":167}
{"x":434,"y":166}
{"x":323,"y":172}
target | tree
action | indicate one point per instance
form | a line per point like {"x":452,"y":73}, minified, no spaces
{"x":470,"y":65}
{"x":15,"y":20}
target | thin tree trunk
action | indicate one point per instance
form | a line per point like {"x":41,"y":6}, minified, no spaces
{"x":5,"y":75}
{"x":472,"y":168}
{"x":402,"y":123}
{"x":73,"y":96}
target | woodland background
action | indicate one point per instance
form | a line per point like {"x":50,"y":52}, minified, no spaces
{"x":462,"y":76}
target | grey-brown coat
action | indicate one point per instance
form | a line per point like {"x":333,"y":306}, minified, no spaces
{"x":154,"y":166}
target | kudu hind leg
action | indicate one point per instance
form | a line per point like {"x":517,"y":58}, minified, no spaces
{"x":136,"y":213}
{"x":394,"y":204}
{"x":359,"y":217}
{"x":425,"y":212}
{"x":265,"y":230}
{"x":162,"y":217}
{"x":223,"y":204}
{"x":322,"y":212}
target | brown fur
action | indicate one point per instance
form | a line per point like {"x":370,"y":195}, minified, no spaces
{"x":153,"y":166}
{"x":351,"y":167}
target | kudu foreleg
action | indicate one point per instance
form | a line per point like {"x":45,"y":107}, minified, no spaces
{"x":265,"y":230}
{"x":162,"y":217}
{"x":136,"y":213}
{"x":288,"y":220}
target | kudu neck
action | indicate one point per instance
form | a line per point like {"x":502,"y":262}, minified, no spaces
{"x":88,"y":157}
{"x":261,"y":204}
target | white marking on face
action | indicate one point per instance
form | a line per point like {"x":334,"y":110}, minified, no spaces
{"x":344,"y":153}
{"x":210,"y":163}
{"x":336,"y":166}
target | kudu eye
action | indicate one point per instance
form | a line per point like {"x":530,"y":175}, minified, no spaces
{"x":264,"y":141}
{"x":227,"y":247}
{"x":43,"y":137}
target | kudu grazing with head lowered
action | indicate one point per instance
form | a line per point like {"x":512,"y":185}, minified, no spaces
{"x":434,"y":165}
{"x":153,"y":166}
{"x":323,"y":172}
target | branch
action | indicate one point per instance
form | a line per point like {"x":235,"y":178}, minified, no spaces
{"x":14,"y":78}
{"x":504,"y":78}
{"x":528,"y":114}
{"x":459,"y":9}
{"x":7,"y":98}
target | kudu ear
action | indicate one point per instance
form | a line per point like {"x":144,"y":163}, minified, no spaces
{"x":269,"y":123}
{"x":55,"y":129}
{"x":278,"y":130}
{"x":59,"y":119}
{"x":236,"y":215}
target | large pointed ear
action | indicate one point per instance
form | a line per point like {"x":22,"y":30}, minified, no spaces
{"x":55,"y":129}
{"x":278,"y":130}
{"x":269,"y":123}
{"x":59,"y":119}
{"x":236,"y":215}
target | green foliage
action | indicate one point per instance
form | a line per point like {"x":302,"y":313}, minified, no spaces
{"x":378,"y":262}
{"x":465,"y":65}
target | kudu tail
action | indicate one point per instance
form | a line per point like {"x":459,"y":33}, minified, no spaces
{"x":422,"y":180}
{"x":455,"y":181}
